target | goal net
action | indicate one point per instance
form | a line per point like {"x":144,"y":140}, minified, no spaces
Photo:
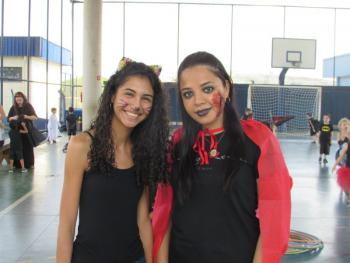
{"x":273,"y":104}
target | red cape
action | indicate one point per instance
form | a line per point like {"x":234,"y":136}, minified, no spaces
{"x":274,"y":203}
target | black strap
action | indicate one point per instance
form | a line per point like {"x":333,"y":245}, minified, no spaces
{"x":88,"y":132}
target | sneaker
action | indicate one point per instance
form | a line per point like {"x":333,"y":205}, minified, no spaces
{"x":11,"y":171}
{"x":325,"y":161}
{"x":24,"y":170}
{"x":320,"y":159}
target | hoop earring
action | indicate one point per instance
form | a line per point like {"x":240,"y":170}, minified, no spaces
{"x":228,"y":100}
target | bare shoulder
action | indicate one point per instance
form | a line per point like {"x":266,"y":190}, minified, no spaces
{"x":78,"y":149}
{"x":80,"y":142}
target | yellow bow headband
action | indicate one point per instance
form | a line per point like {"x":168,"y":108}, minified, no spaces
{"x":124,"y":61}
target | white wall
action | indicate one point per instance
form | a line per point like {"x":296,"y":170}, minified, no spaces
{"x":38,"y":85}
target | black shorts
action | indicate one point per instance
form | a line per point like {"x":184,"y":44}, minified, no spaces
{"x":324,"y":148}
{"x":72,"y":132}
{"x":16,"y":154}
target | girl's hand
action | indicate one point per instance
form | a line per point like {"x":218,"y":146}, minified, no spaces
{"x":334,"y":167}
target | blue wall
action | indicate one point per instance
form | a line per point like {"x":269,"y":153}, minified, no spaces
{"x":17,"y":46}
{"x":336,"y":101}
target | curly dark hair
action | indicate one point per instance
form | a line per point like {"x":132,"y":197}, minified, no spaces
{"x":149,"y":138}
{"x":183,"y":153}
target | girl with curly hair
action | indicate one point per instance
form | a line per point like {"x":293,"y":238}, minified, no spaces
{"x":229,"y":199}
{"x":110,"y":170}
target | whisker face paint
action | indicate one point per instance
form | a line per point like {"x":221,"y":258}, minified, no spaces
{"x":122,"y":103}
{"x":147,"y":109}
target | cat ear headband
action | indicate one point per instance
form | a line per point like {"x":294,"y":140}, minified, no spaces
{"x":124,"y":61}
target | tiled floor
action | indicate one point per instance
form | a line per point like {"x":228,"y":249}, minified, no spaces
{"x":29,"y":205}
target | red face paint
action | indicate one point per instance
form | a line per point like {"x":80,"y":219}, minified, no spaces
{"x":217,"y":101}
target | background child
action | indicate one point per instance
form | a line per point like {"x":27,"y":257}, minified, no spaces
{"x":52,"y":127}
{"x":342,"y":137}
{"x":71,"y":121}
{"x":325,"y":136}
{"x":343,"y":173}
{"x":16,"y":146}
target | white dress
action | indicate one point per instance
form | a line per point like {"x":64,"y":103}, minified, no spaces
{"x":52,"y":128}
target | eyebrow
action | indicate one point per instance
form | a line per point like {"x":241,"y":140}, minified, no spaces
{"x":185,"y":89}
{"x":206,"y":83}
{"x":133,"y":91}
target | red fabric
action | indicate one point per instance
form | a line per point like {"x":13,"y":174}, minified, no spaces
{"x":343,"y":178}
{"x":274,"y":186}
{"x":163,"y":202}
{"x":161,"y":215}
{"x":274,"y":202}
{"x":199,"y":146}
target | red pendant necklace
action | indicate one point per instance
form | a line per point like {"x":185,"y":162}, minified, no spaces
{"x":199,"y":145}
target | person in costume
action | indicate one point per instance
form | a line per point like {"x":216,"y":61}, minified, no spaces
{"x":53,"y":126}
{"x":110,"y":170}
{"x":342,"y":137}
{"x":343,"y":173}
{"x":229,"y":194}
{"x":313,"y":125}
{"x":325,"y":137}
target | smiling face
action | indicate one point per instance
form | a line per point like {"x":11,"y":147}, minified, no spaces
{"x":203,"y":94}
{"x":133,"y":101}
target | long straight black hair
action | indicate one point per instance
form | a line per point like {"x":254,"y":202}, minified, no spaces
{"x":184,"y":170}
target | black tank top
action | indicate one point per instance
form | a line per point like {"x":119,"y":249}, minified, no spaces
{"x":347,"y":162}
{"x":108,"y":230}
{"x":214,"y":225}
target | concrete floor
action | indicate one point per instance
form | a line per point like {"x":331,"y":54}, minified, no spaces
{"x":29,"y":205}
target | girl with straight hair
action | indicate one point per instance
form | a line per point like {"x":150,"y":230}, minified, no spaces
{"x":229,"y":199}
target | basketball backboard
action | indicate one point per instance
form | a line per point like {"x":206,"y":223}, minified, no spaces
{"x":293,"y":53}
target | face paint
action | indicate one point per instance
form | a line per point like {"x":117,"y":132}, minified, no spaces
{"x":147,"y":109}
{"x":217,"y":101}
{"x":122,"y":103}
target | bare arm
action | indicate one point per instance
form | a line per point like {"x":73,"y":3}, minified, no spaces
{"x":2,"y":113}
{"x":258,"y":252}
{"x":13,"y":118}
{"x":75,"y":165}
{"x":24,"y":128}
{"x":163,"y":253}
{"x":341,"y":156}
{"x":30,"y":117}
{"x":338,"y":136}
{"x":145,"y":225}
